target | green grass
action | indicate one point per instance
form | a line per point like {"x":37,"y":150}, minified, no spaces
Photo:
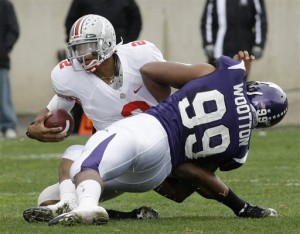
{"x":271,"y":177}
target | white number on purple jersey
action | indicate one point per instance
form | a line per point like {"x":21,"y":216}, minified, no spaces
{"x":201,"y":117}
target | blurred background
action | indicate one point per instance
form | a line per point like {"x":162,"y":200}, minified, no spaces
{"x":173,"y":25}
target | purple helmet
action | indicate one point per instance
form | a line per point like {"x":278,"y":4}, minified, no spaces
{"x":269,"y":101}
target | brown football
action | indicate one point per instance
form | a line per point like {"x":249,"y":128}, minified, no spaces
{"x":60,"y":118}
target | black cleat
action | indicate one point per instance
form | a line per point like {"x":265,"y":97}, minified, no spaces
{"x":145,"y":212}
{"x":250,"y":211}
{"x":43,"y":213}
{"x":38,"y":214}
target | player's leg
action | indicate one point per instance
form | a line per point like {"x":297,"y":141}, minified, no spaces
{"x":59,"y":198}
{"x":175,"y":189}
{"x":111,"y":153}
{"x":49,"y":195}
{"x":193,"y":177}
{"x":49,"y":205}
{"x":67,"y":199}
{"x":188,"y":178}
{"x":41,"y":213}
{"x":89,"y":183}
{"x":210,"y":186}
{"x":114,"y":188}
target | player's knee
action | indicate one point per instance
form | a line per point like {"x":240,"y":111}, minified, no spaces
{"x":73,"y":152}
{"x":49,"y":195}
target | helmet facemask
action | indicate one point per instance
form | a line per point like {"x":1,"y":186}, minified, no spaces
{"x":92,"y":40}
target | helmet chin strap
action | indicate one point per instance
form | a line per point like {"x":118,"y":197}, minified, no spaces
{"x":92,"y":66}
{"x":255,"y":116}
{"x":95,"y":63}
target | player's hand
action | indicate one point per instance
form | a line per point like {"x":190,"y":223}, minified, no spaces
{"x":244,"y":55}
{"x":38,"y":131}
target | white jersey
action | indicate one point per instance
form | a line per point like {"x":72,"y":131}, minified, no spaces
{"x":101,"y":103}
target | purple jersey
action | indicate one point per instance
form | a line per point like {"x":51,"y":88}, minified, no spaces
{"x":209,"y":117}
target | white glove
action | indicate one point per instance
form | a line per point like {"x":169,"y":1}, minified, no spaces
{"x":209,"y":51}
{"x":257,"y":51}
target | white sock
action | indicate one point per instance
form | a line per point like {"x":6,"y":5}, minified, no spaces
{"x":67,"y":191}
{"x":88,"y":193}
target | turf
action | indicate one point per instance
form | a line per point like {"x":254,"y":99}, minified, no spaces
{"x":271,"y":178}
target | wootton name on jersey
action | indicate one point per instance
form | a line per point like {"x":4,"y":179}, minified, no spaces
{"x":244,"y":111}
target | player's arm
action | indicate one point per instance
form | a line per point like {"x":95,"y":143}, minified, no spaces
{"x":37,"y":130}
{"x":160,"y":76}
{"x":246,"y":57}
{"x":174,"y":74}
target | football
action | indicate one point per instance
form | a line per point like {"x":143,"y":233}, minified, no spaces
{"x":60,"y":118}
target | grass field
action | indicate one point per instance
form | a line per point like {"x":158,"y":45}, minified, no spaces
{"x":271,"y":177}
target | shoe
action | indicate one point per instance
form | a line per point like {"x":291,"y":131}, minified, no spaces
{"x":62,"y":207}
{"x":10,"y":133}
{"x":95,"y":215}
{"x":47,"y":213}
{"x":250,"y":211}
{"x":38,"y":214}
{"x":145,"y":212}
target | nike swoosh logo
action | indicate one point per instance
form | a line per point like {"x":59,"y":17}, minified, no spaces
{"x":135,"y":91}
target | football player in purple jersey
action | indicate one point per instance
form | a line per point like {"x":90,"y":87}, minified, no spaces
{"x":207,"y":122}
{"x":200,"y":172}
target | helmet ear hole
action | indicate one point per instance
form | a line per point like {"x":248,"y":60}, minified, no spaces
{"x":269,"y":101}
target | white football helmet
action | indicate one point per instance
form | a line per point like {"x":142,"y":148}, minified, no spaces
{"x":91,"y":34}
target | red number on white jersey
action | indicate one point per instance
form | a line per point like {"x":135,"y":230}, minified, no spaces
{"x":132,"y":106}
{"x":138,"y":43}
{"x":65,"y":63}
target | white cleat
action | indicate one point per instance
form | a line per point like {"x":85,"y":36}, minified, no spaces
{"x":93,"y":215}
{"x":47,"y":213}
{"x":62,"y":207}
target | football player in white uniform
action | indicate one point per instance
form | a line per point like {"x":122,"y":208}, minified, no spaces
{"x":100,"y":75}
